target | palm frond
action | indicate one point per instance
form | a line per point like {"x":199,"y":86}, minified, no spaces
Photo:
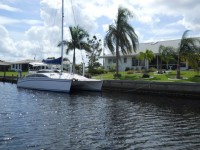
{"x":64,"y":42}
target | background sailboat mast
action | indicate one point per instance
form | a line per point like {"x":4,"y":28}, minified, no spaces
{"x":62,"y":36}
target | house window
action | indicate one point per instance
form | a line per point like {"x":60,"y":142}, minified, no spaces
{"x":183,"y":64}
{"x":125,"y":60}
{"x":135,"y":62}
{"x":109,"y":60}
{"x":114,"y":60}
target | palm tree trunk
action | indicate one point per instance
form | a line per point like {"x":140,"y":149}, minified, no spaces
{"x":161,"y":66}
{"x":160,"y":69}
{"x":117,"y":57}
{"x":167,"y":65}
{"x":178,"y":68}
{"x":157,"y":64}
{"x":74,"y":61}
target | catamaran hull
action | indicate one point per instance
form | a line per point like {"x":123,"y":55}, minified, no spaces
{"x":49,"y":84}
{"x":87,"y":85}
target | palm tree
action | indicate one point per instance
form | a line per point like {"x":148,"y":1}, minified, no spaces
{"x":160,"y":51}
{"x":188,"y":50}
{"x":166,"y":53}
{"x":78,"y":35}
{"x":146,"y":56}
{"x":121,"y":35}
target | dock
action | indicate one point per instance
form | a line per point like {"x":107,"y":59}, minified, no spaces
{"x":10,"y":79}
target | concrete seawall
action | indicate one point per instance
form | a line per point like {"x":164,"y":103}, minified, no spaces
{"x":170,"y":88}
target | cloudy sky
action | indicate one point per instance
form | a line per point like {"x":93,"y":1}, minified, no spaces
{"x":31,"y":28}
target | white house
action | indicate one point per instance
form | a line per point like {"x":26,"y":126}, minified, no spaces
{"x":131,"y":61}
{"x":22,"y":65}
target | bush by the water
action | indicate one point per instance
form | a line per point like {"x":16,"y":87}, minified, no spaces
{"x":145,"y":75}
{"x":98,"y":71}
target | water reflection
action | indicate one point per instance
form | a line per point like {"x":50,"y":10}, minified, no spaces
{"x":84,"y":120}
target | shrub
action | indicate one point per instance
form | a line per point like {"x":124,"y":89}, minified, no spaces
{"x":98,"y":71}
{"x":152,"y":69}
{"x":137,"y":69}
{"x":88,"y":75}
{"x":145,"y":75}
{"x":127,"y":69}
{"x":130,"y":72}
{"x":111,"y":69}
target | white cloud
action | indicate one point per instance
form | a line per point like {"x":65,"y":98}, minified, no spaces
{"x":152,"y":22}
{"x":10,"y":21}
{"x":6,"y":44}
{"x":6,"y":20}
{"x":105,"y":27}
{"x":9,"y":8}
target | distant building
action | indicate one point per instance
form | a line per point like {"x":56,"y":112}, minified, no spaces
{"x":4,"y":66}
{"x":23,"y":65}
{"x":132,"y":62}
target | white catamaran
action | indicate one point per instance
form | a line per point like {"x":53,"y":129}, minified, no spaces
{"x":59,"y":81}
{"x":47,"y":79}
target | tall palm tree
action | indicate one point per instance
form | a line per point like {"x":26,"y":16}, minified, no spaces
{"x":121,"y":35}
{"x":188,"y":50}
{"x":78,"y":35}
{"x":146,"y":56}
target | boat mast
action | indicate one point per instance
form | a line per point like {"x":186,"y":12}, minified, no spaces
{"x":62,"y":36}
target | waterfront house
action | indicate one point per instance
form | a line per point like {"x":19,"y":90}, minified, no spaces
{"x":4,"y":66}
{"x":22,"y":65}
{"x":132,"y":62}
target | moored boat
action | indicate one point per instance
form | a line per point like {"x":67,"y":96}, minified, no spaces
{"x":47,"y":81}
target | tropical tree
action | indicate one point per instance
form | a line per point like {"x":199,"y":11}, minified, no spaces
{"x":160,"y":50}
{"x":93,"y":56}
{"x":147,"y":57}
{"x":188,"y":50}
{"x":77,"y":41}
{"x":121,"y":35}
{"x":166,"y":54}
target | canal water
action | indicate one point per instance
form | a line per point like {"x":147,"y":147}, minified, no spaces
{"x":46,"y":120}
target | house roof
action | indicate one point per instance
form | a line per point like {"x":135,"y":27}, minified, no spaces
{"x":3,"y":63}
{"x":26,"y":61}
{"x":153,"y":46}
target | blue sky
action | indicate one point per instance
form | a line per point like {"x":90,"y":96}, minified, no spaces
{"x":31,"y":28}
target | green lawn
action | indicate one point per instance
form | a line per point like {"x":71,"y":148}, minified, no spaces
{"x":10,"y":73}
{"x":187,"y":76}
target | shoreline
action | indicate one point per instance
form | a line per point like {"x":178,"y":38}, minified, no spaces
{"x":187,"y":89}
{"x":191,"y":90}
